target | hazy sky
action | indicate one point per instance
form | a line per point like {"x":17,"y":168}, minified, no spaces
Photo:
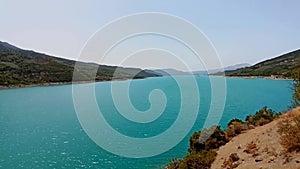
{"x":241,"y":31}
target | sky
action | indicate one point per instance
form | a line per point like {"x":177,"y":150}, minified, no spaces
{"x":240,"y":31}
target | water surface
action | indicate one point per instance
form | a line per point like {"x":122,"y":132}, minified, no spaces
{"x":39,"y":127}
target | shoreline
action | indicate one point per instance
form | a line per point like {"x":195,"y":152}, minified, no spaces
{"x":60,"y":83}
{"x":121,"y":79}
{"x":44,"y":84}
{"x":259,"y":77}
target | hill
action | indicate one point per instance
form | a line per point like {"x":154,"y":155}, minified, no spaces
{"x":265,"y":140}
{"x":280,"y":66}
{"x":20,"y":67}
{"x":266,"y":148}
{"x":214,"y":71}
{"x":169,"y":72}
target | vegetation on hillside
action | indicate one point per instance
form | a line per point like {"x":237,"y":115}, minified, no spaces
{"x":207,"y":139}
{"x":289,"y":129}
{"x":23,"y":67}
{"x":236,"y":127}
{"x":296,"y":85}
{"x":204,"y":144}
{"x":281,"y":66}
{"x":262,"y":117}
{"x":202,"y":150}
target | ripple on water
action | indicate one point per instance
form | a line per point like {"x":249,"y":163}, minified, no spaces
{"x":66,"y":143}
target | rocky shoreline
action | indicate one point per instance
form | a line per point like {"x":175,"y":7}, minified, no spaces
{"x":260,"y":77}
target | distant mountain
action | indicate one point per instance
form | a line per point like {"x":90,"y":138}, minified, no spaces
{"x":280,"y":66}
{"x":237,"y":66}
{"x":213,"y":71}
{"x":168,"y":72}
{"x":26,"y":67}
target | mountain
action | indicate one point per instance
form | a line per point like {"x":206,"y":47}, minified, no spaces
{"x":168,"y":72}
{"x":280,"y":66}
{"x":237,"y":66}
{"x":213,"y":71}
{"x":25,"y":67}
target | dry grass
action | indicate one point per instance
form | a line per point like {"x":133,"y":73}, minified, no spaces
{"x":260,"y":148}
{"x":251,"y":148}
{"x":232,"y":162}
{"x":289,"y":129}
{"x":234,"y":129}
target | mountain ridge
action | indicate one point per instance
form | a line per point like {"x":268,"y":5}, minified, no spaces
{"x":281,"y":66}
{"x":19,"y":67}
{"x":168,"y":72}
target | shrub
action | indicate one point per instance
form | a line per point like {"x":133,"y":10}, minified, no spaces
{"x":200,"y":160}
{"x":234,"y":128}
{"x":262,"y":117}
{"x":234,"y":121}
{"x":203,"y":144}
{"x":207,"y":139}
{"x":202,"y":151}
{"x":174,"y":164}
{"x":289,"y":129}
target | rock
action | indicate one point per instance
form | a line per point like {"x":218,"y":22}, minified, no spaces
{"x":272,"y":159}
{"x":251,"y":126}
{"x":235,"y":164}
{"x":258,"y":160}
{"x":234,"y":157}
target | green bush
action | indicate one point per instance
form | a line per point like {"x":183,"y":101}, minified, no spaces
{"x":234,"y":121}
{"x":207,"y":139}
{"x":234,"y":128}
{"x":203,"y":144}
{"x":262,"y":117}
{"x":174,"y":164}
{"x":200,"y":160}
{"x":202,"y":150}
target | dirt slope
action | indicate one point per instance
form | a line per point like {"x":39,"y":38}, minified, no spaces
{"x":258,"y":148}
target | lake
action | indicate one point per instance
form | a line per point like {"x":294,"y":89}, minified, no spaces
{"x":39,"y":126}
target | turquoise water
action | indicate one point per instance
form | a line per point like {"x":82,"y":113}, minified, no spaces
{"x":39,"y":127}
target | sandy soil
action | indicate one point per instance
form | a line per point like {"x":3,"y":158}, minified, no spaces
{"x":266,"y":151}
